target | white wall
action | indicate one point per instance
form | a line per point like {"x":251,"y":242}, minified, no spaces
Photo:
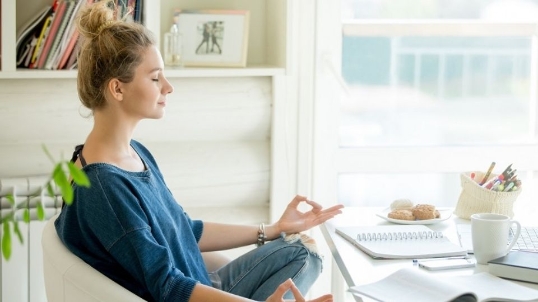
{"x":213,"y":145}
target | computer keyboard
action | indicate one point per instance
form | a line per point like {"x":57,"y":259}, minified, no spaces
{"x":528,"y":239}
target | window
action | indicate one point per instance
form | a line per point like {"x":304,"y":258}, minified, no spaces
{"x":409,"y":94}
{"x":428,"y":89}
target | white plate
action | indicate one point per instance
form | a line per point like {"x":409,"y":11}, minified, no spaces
{"x":445,"y":214}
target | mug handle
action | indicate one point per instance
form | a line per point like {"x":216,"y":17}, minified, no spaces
{"x":515,"y":237}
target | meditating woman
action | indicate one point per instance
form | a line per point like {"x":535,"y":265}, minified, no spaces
{"x":128,"y":225}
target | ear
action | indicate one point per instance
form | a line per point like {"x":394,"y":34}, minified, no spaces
{"x":115,"y":89}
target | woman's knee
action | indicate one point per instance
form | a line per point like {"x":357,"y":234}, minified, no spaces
{"x":306,"y":240}
{"x":311,"y":247}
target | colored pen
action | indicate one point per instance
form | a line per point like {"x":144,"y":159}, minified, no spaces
{"x":488,"y":173}
{"x":509,"y":186}
{"x":507,"y":171}
{"x":495,"y":181}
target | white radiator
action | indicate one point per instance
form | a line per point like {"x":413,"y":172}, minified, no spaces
{"x":21,"y":278}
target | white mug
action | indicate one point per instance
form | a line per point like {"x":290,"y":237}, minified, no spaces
{"x":490,"y":236}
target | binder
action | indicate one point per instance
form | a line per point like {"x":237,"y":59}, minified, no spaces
{"x":28,"y":35}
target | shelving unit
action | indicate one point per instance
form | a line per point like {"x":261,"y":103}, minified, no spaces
{"x":267,"y":49}
{"x":218,"y":118}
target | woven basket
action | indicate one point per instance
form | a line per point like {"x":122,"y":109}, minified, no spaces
{"x":476,"y":199}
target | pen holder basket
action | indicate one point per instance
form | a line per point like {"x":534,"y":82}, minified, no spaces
{"x":477,"y":199}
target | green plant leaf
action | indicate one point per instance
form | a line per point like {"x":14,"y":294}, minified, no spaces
{"x":50,"y":189}
{"x":26,"y":215}
{"x":11,"y":199}
{"x":61,"y":181}
{"x":48,"y":153}
{"x":18,"y":231}
{"x":6,"y":241}
{"x":79,"y":177}
{"x":40,"y":211}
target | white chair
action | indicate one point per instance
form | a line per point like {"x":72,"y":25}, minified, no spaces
{"x":68,"y":278}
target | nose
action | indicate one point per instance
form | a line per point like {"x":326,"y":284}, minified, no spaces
{"x":168,"y":88}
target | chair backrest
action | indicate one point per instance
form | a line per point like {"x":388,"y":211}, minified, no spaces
{"x":68,"y":278}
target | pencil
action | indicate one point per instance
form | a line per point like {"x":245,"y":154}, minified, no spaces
{"x":488,"y":173}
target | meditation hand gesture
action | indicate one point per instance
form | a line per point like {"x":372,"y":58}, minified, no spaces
{"x":289,"y":285}
{"x":295,"y":221}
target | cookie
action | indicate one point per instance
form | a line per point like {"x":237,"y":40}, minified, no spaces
{"x":401,"y":214}
{"x":425,"y":211}
{"x":401,"y":204}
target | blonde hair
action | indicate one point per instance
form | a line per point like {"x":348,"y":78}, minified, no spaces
{"x":110,"y":48}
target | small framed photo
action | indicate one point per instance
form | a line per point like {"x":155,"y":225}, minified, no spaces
{"x":214,"y":38}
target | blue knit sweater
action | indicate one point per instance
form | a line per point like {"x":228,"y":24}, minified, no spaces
{"x":128,"y":226}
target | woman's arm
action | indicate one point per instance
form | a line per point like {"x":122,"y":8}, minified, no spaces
{"x":218,"y":236}
{"x":223,"y":236}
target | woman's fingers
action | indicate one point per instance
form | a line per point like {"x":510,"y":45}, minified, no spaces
{"x":283,"y":288}
{"x":296,"y":293}
{"x":297,"y":200}
{"x":289,"y":285}
{"x":316,"y":207}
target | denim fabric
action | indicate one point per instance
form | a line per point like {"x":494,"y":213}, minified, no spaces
{"x":128,"y":226}
{"x":258,"y":273}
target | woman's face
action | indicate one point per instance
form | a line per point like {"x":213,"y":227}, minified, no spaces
{"x":145,"y":96}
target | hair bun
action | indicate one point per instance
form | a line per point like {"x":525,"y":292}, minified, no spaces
{"x":94,"y":18}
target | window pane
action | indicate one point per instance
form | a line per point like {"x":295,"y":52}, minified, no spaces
{"x":436,"y":91}
{"x":439,"y":189}
{"x":440,"y":9}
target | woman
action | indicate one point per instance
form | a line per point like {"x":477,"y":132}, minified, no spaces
{"x":127,"y":224}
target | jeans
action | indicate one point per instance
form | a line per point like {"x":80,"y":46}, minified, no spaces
{"x":257,"y":274}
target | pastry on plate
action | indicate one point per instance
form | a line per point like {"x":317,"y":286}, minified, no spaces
{"x":402,"y":204}
{"x":403,"y":214}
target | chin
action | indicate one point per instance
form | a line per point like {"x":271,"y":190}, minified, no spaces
{"x":157,"y":115}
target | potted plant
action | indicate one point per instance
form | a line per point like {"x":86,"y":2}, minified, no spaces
{"x":62,"y":175}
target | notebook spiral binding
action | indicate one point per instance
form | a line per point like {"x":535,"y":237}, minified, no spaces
{"x":398,"y":236}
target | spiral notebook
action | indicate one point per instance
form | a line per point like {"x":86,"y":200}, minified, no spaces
{"x":400,"y":241}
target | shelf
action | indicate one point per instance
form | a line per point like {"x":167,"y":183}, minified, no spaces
{"x":38,"y":74}
{"x":252,"y":71}
{"x":268,"y":37}
{"x":170,"y":72}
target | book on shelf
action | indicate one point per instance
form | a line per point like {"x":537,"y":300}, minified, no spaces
{"x":70,"y":6}
{"x":56,"y":21}
{"x":400,"y":241}
{"x":73,"y":40}
{"x":45,"y":30}
{"x":415,"y":285}
{"x":69,"y":39}
{"x":517,"y":265}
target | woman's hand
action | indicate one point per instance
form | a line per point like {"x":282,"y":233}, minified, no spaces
{"x":278,"y":295}
{"x":295,"y":221}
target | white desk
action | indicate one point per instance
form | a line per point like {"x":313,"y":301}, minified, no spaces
{"x":358,"y":268}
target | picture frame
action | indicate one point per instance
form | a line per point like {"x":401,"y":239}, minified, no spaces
{"x":213,"y":38}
